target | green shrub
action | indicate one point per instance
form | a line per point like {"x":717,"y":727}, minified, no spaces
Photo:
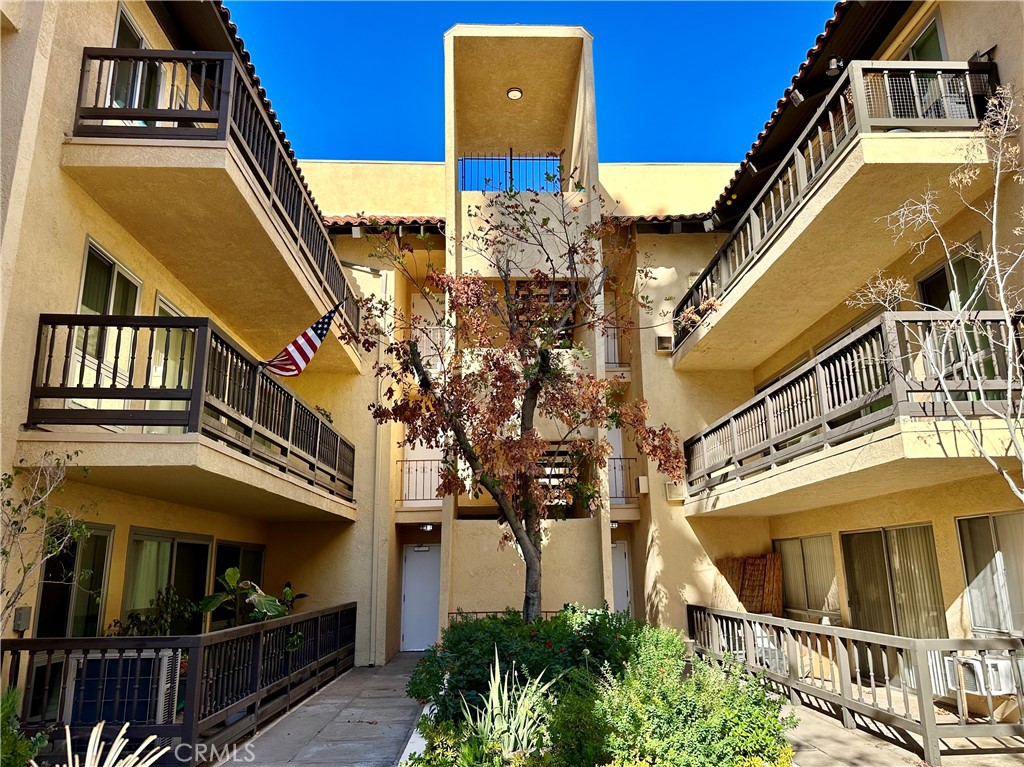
{"x":672,"y":711}
{"x":16,"y":748}
{"x":578,"y":736}
{"x":459,"y":665}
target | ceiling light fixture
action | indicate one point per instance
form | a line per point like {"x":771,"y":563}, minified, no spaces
{"x":835,"y":66}
{"x":514,"y":93}
{"x":427,"y":528}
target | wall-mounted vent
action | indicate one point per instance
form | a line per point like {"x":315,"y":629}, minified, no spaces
{"x":664,"y":345}
{"x":675,"y":491}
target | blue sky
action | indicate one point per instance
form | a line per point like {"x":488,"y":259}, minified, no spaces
{"x":675,"y":81}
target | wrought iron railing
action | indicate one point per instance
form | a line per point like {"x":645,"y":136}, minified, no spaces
{"x":420,"y":479}
{"x":213,"y":689}
{"x":614,"y":354}
{"x":869,"y":96}
{"x":887,"y":368}
{"x":183,"y":374}
{"x":622,"y":481}
{"x":503,"y":173}
{"x":207,"y":95}
{"x":921,"y":686}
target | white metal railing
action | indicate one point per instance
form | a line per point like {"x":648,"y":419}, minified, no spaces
{"x":870,"y":96}
{"x":922,"y":686}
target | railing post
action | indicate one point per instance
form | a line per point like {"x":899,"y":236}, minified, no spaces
{"x":895,"y":366}
{"x":926,"y":705}
{"x":201,"y":363}
{"x":749,"y":650}
{"x":845,"y":683}
{"x":256,"y":672}
{"x":193,"y":700}
{"x":862,"y":116}
{"x":227,"y":92}
{"x":793,"y":666}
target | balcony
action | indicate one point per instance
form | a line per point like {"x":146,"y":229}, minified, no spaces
{"x":178,"y":147}
{"x":172,"y":408}
{"x":860,"y":419}
{"x":204,"y":691}
{"x":884,"y":133}
{"x":622,"y":490}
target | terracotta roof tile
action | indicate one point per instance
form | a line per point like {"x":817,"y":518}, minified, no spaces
{"x":246,"y":59}
{"x":364,"y":220}
{"x":812,"y":56}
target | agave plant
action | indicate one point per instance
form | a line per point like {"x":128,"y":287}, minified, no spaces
{"x":511,"y":717}
{"x":140,"y":757}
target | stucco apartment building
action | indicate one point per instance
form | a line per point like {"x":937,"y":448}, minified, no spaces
{"x":160,"y":237}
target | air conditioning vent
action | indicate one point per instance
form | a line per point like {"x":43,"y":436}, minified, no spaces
{"x":664,"y":345}
{"x":675,"y":491}
{"x":980,"y":676}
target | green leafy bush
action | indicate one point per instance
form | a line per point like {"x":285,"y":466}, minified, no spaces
{"x":578,"y":736}
{"x":16,"y":748}
{"x":459,"y":665}
{"x":672,"y":711}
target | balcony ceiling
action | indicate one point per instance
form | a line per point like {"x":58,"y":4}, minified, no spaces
{"x":546,"y":68}
{"x":194,"y":208}
{"x":190,"y":470}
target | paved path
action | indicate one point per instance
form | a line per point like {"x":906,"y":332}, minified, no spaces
{"x":362,"y":719}
{"x":822,"y":741}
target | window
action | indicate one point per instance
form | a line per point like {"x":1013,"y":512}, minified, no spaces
{"x":809,"y":575}
{"x":72,"y":588}
{"x":248,"y":558}
{"x":107,"y":288}
{"x":158,"y":559}
{"x":929,"y":45}
{"x":133,"y":85}
{"x":952,"y":287}
{"x":993,"y":555}
{"x":892,"y":576}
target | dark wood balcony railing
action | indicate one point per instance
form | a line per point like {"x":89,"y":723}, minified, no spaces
{"x":919,"y":686}
{"x":420,"y":479}
{"x":207,"y":95}
{"x":182,"y":374}
{"x":869,"y":96}
{"x":211,"y":689}
{"x":887,"y":368}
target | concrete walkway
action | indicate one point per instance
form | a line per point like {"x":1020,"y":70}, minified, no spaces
{"x":822,"y":741}
{"x":363,"y":719}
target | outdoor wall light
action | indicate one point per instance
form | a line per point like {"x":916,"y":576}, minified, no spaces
{"x":427,"y":528}
{"x":614,"y":525}
{"x":835,"y":66}
{"x":514,"y":93}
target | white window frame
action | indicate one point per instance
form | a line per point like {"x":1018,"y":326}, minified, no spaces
{"x":119,"y":268}
{"x":907,"y":54}
{"x":1001,"y":582}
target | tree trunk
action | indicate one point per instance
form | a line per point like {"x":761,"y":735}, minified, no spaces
{"x":531,"y":597}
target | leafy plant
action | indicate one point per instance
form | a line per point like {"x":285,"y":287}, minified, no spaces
{"x":577,"y":735}
{"x":459,"y":665}
{"x":246,"y":600}
{"x":513,"y":716}
{"x":115,"y":756}
{"x":33,"y":528}
{"x":669,"y":710}
{"x":16,"y":748}
{"x":167,"y":610}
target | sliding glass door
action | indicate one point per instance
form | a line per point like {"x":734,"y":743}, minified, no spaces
{"x":892,"y":578}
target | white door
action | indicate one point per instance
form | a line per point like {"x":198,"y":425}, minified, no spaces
{"x":421,"y":593}
{"x":620,"y":577}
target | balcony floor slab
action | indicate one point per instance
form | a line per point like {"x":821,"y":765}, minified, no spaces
{"x":197,"y":209}
{"x":904,"y":456}
{"x":189,"y":469}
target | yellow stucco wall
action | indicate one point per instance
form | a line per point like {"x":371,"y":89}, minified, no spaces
{"x":488,"y":578}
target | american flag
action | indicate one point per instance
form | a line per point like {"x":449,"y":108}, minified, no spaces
{"x":295,"y":356}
